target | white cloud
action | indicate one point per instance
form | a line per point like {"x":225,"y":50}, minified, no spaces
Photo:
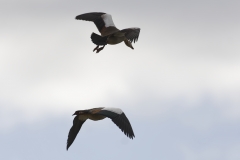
{"x":47,"y":65}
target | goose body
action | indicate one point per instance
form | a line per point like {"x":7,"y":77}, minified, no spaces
{"x":109,"y":33}
{"x":95,"y":114}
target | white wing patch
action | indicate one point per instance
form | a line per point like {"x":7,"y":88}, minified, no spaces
{"x":107,"y":18}
{"x":115,"y":110}
{"x":134,"y":28}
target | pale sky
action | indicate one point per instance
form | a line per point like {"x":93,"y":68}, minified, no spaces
{"x":179,"y":87}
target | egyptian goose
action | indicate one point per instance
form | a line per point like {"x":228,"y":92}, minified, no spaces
{"x":95,"y":114}
{"x":109,"y":33}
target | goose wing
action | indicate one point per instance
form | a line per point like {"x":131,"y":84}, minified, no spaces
{"x":92,"y":16}
{"x":131,"y":34}
{"x":77,"y":124}
{"x":119,"y":118}
{"x":103,"y":21}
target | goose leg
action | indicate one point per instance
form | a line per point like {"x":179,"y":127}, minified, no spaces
{"x":99,"y":49}
{"x":96,"y":48}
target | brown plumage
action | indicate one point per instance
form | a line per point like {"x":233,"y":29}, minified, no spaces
{"x":109,"y":33}
{"x":95,"y":114}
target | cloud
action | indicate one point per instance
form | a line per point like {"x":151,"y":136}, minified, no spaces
{"x":184,"y":53}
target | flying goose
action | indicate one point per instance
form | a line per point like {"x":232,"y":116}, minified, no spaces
{"x":95,"y":114}
{"x":109,"y":33}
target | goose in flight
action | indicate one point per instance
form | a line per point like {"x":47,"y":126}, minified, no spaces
{"x":109,"y":33}
{"x":95,"y":114}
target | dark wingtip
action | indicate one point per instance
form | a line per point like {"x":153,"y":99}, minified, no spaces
{"x":78,"y":17}
{"x":132,"y":136}
{"x":67,"y":147}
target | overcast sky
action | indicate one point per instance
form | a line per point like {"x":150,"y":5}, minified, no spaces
{"x":179,"y":87}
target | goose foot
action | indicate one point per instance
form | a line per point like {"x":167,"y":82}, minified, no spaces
{"x":95,"y":48}
{"x":99,"y":49}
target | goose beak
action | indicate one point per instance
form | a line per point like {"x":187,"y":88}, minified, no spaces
{"x":128,"y":43}
{"x":74,"y":113}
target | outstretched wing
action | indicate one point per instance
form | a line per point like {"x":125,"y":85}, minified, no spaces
{"x":119,"y":118}
{"x":90,"y":16}
{"x":131,"y":34}
{"x":77,"y":124}
{"x":103,"y":21}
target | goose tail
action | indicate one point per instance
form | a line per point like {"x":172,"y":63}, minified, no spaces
{"x":98,"y":40}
